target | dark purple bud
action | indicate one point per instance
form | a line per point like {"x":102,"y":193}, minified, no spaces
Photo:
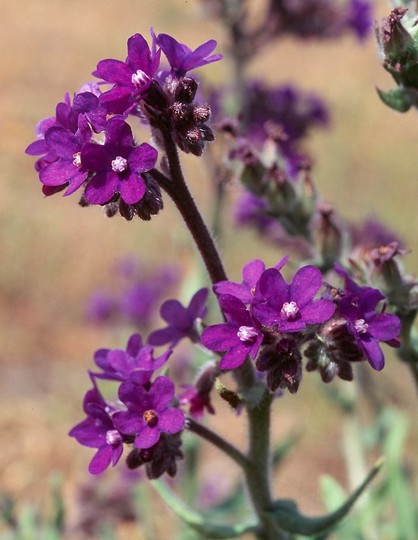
{"x":159,"y":459}
{"x":186,"y":90}
{"x":283,"y":364}
{"x":201,"y":113}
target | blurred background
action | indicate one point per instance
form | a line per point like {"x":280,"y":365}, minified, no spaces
{"x":53,"y":253}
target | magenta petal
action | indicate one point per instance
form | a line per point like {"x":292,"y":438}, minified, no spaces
{"x":115,"y":71}
{"x":219,"y":337}
{"x":119,"y":133}
{"x":234,"y":357}
{"x":165,"y":335}
{"x":62,"y":141}
{"x":132,"y":189}
{"x":171,"y":421}
{"x":37,"y":148}
{"x":101,"y":460}
{"x":95,"y":157}
{"x":128,"y":423}
{"x":57,"y":173}
{"x":197,"y":304}
{"x":384,"y":326}
{"x":173,"y":50}
{"x":317,"y":312}
{"x":143,"y":158}
{"x":139,"y":56}
{"x":162,"y":391}
{"x":305,"y":284}
{"x":147,"y":438}
{"x":116,"y":455}
{"x":252,"y":271}
{"x":75,"y":182}
{"x":374,"y":354}
{"x":175,"y":314}
{"x":273,"y":288}
{"x":101,"y":188}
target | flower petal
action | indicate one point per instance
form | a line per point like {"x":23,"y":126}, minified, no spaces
{"x":305,"y":284}
{"x":147,"y":437}
{"x":171,"y":421}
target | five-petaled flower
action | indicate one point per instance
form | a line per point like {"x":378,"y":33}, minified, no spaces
{"x":181,"y":320}
{"x":98,"y":431}
{"x":183,"y":59}
{"x":131,"y":78}
{"x":117,"y":164}
{"x":290,"y":307}
{"x":137,"y":363}
{"x":239,"y":337}
{"x":367,"y":325}
{"x":149,"y":411}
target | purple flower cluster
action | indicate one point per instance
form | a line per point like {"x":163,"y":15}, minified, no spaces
{"x":285,"y":114}
{"x":89,"y":143}
{"x":263,"y":311}
{"x":271,"y":321}
{"x":321,"y":19}
{"x":135,"y":298}
{"x":144,"y":415}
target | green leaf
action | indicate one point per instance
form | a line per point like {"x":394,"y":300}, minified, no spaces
{"x":196,"y":521}
{"x":289,"y":519}
{"x":398,"y":99}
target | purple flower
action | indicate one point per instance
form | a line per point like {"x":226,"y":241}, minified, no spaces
{"x":101,"y":307}
{"x":149,"y":413}
{"x":321,"y":19}
{"x":98,"y":431}
{"x":286,"y":110}
{"x":197,"y":396}
{"x":136,"y":363}
{"x":250,"y":275}
{"x":360,"y":17}
{"x":290,"y":306}
{"x":238,"y":337}
{"x":67,"y":169}
{"x":60,"y":139}
{"x":181,"y":320}
{"x":365,"y":324}
{"x":131,"y":78}
{"x":182,"y":59}
{"x":118,"y":165}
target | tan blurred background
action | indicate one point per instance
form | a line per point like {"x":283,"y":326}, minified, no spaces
{"x":52,"y":252}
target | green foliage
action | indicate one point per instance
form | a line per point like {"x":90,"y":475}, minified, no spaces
{"x":27,"y":523}
{"x":400,"y":99}
{"x":391,"y":510}
{"x":289,"y":519}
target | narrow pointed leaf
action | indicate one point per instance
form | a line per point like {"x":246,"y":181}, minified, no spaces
{"x":398,"y":99}
{"x":196,"y":521}
{"x":289,"y":519}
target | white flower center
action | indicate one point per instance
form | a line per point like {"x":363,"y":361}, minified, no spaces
{"x":77,"y":159}
{"x":361,"y":326}
{"x":289,"y":310}
{"x":119,"y":164}
{"x":140,"y":79}
{"x":113,"y":437}
{"x":247,"y":333}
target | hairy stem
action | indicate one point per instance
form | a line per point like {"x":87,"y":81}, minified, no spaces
{"x":256,"y":465}
{"x":218,"y":441}
{"x":177,"y":189}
